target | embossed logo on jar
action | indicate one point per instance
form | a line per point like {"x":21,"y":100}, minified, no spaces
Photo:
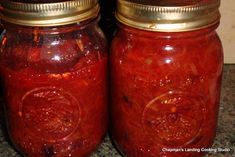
{"x":50,"y":113}
{"x":174,"y":118}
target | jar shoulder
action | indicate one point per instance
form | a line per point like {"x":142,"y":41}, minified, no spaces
{"x":204,"y":47}
{"x":159,"y":57}
{"x":52,"y":51}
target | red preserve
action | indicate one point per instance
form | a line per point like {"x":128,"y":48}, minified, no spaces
{"x":53,"y":63}
{"x":166,"y":77}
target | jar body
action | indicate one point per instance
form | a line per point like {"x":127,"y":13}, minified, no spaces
{"x":55,"y":88}
{"x":165,"y":91}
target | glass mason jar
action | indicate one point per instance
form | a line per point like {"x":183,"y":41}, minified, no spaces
{"x":166,"y":67}
{"x":53,"y":63}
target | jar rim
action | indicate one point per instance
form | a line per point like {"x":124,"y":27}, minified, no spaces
{"x":49,"y":14}
{"x":167,"y":18}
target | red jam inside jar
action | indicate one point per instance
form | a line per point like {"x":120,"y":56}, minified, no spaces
{"x":55,"y":82}
{"x":165,"y":90}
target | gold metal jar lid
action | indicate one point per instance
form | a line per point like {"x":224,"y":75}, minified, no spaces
{"x":168,"y":15}
{"x":48,"y":14}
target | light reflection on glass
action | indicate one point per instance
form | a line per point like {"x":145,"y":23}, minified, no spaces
{"x":56,"y":58}
{"x":55,"y":43}
{"x":168,"y":60}
{"x":168,"y":48}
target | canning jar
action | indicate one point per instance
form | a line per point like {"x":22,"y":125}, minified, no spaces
{"x":166,"y":67}
{"x":53,"y":64}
